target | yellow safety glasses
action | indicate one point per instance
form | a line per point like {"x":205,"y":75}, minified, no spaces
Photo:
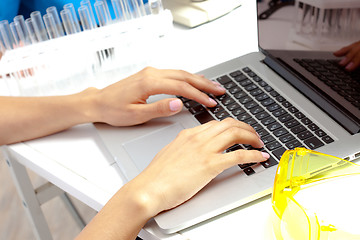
{"x":316,"y":196}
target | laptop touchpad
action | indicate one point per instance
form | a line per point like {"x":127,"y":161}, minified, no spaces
{"x":143,"y":149}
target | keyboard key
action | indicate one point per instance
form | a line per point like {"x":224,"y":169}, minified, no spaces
{"x":286,"y":104}
{"x":250,"y":121}
{"x":293,"y":109}
{"x":285,"y":118}
{"x":238,"y":111}
{"x":246,"y":165}
{"x":273,"y":107}
{"x":279,"y":112}
{"x":279,"y":152}
{"x":222,"y":115}
{"x":230,"y":85}
{"x":267,"y":121}
{"x":269,"y":163}
{"x":245,"y":100}
{"x":273,"y":145}
{"x":204,"y":117}
{"x":279,"y":132}
{"x":267,"y":102}
{"x":313,"y":127}
{"x":262,"y":115}
{"x":299,"y":115}
{"x":191,"y":104}
{"x":251,"y":104}
{"x":286,"y":138}
{"x":320,"y":133}
{"x":227,"y":101}
{"x":291,"y":123}
{"x":197,"y":109}
{"x":234,"y":148}
{"x":267,"y":139}
{"x":262,"y":133}
{"x":306,"y":121}
{"x":240,"y":95}
{"x":216,"y":109}
{"x":243,"y":117}
{"x":256,"y":110}
{"x":293,"y":144}
{"x":256,"y":92}
{"x":246,"y":69}
{"x":305,"y":134}
{"x":234,"y":90}
{"x":232,"y":106}
{"x":249,"y":171}
{"x":273,"y":126}
{"x":224,"y":79}
{"x":313,"y":143}
{"x":327,"y":139}
{"x":298,"y":129}
{"x":261,"y":97}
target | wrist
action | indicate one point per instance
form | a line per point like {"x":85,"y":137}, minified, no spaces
{"x":89,"y":105}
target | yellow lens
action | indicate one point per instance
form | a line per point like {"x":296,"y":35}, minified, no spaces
{"x":303,"y":169}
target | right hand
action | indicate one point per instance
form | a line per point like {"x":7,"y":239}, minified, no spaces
{"x":191,"y":161}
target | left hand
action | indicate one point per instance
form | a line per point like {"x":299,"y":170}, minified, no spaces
{"x":124,"y":103}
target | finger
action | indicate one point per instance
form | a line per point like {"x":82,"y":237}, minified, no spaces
{"x":227,"y":123}
{"x":174,"y":87}
{"x":230,"y":159}
{"x":235,"y":135}
{"x":162,"y":108}
{"x":196,"y":80}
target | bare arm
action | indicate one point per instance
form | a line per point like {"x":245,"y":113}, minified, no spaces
{"x":120,"y":104}
{"x":176,"y":173}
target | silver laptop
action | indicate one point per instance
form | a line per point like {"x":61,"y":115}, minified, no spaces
{"x":272,"y":91}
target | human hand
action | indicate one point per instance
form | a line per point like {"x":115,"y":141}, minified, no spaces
{"x":191,"y":161}
{"x":352,"y":56}
{"x":124,"y":103}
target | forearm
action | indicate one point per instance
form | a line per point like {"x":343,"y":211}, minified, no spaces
{"x":122,"y":217}
{"x":24,"y":118}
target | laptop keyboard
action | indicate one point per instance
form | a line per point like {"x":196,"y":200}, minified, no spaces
{"x":347,"y":84}
{"x":250,"y":99}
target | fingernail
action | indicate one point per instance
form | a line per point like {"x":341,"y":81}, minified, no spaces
{"x":343,"y":61}
{"x":265,"y":155}
{"x":175,"y":105}
{"x":212,"y":101}
{"x":221,"y":88}
{"x":349,"y":66}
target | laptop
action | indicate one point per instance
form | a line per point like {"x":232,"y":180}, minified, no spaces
{"x":273,"y":91}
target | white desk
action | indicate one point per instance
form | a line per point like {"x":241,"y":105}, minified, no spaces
{"x":74,"y":160}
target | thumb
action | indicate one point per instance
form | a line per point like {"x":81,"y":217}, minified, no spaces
{"x":163,"y":108}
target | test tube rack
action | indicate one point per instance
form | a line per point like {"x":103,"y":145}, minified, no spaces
{"x":73,"y":62}
{"x":326,"y":24}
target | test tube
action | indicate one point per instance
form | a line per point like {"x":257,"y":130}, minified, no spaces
{"x":6,"y":34}
{"x":118,"y":10}
{"x":89,"y":7}
{"x":53,"y":11}
{"x":85,"y":18}
{"x":71,"y":9}
{"x":21,"y":29}
{"x":51,"y":27}
{"x":15,"y":35}
{"x":31,"y":31}
{"x":68,"y":22}
{"x":39,"y":26}
{"x":140,"y":7}
{"x":101,"y":13}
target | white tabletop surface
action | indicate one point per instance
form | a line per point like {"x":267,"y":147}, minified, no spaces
{"x":76,"y":161}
